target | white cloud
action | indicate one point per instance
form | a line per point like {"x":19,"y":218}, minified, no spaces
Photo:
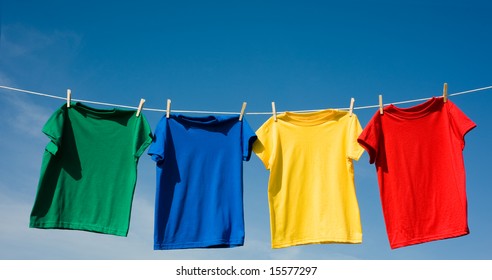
{"x":30,"y":56}
{"x":24,"y":116}
{"x":20,"y":41}
{"x":5,"y":80}
{"x":18,"y":241}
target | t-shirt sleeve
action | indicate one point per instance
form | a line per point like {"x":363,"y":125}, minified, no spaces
{"x":370,"y":137}
{"x":157,"y":147}
{"x":460,"y":123}
{"x":354,"y":149}
{"x":248,"y":138}
{"x":263,"y":145}
{"x":53,"y":128}
{"x":143,"y":136}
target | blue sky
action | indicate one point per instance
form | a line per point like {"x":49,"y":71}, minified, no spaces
{"x":213,"y":55}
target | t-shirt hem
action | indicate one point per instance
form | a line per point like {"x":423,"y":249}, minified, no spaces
{"x":200,"y":245}
{"x":78,"y":226}
{"x":317,"y":241}
{"x":436,"y":237}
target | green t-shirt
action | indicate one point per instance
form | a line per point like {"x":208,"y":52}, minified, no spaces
{"x":89,"y":169}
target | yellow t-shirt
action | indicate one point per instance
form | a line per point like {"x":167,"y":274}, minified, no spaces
{"x":311,"y":190}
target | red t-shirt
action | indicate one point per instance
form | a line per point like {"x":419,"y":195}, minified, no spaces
{"x":418,"y":153}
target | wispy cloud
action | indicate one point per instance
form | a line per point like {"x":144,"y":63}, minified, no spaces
{"x":24,"y":52}
{"x":20,"y":41}
{"x":24,"y":115}
{"x":5,"y":80}
{"x":35,"y":56}
{"x":17,"y":240}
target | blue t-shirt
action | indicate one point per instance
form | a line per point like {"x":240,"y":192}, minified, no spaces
{"x":199,"y":198}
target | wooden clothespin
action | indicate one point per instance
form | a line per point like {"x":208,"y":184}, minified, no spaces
{"x":168,"y":108}
{"x":351,"y":110}
{"x":445,"y":92}
{"x":380,"y":104}
{"x":274,"y":111}
{"x":69,"y":97}
{"x":242,"y":111}
{"x":140,"y":106}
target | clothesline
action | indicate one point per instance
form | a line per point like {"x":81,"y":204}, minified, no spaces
{"x":227,"y":113}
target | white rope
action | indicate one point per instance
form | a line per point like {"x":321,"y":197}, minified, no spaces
{"x":228,"y":113}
